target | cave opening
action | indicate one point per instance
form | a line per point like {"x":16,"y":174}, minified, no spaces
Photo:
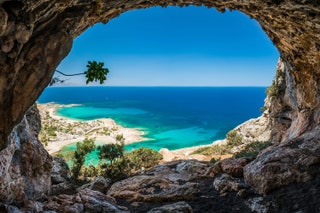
{"x":207,"y":71}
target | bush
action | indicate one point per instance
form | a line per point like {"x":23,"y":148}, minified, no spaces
{"x":127,"y":163}
{"x":116,"y":171}
{"x":143,"y":157}
{"x":252,"y":150}
{"x":233,"y":139}
{"x":213,"y":150}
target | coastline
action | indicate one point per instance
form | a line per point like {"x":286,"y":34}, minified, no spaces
{"x":70,"y":130}
{"x":92,"y":129}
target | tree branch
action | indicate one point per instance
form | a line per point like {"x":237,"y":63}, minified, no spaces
{"x":69,"y":74}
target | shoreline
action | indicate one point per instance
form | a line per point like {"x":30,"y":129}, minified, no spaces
{"x":82,"y":129}
{"x":70,"y":130}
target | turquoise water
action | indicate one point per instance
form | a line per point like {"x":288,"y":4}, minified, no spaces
{"x":171,"y":117}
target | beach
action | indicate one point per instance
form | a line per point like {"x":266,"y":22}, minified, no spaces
{"x":68,"y":131}
{"x":104,"y":130}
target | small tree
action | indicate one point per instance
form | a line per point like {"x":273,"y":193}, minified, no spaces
{"x":110,"y":152}
{"x":83,"y":149}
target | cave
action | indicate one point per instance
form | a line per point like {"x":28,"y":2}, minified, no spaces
{"x":36,"y":35}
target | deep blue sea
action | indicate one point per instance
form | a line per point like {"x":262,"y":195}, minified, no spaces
{"x":172,"y":117}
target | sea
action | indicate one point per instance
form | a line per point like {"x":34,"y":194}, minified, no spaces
{"x":170,"y":117}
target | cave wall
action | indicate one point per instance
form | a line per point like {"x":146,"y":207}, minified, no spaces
{"x":35,"y":35}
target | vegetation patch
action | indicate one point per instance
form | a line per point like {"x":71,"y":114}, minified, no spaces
{"x":252,"y":150}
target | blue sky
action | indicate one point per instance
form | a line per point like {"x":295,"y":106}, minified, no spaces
{"x":173,"y":46}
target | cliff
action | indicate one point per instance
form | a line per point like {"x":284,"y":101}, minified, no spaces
{"x":35,"y":35}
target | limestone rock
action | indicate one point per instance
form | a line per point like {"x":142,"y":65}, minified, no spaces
{"x":170,"y":181}
{"x":99,"y":184}
{"x":84,"y":201}
{"x":179,"y":207}
{"x":25,"y":167}
{"x":225,"y":183}
{"x":152,"y":188}
{"x":62,"y":188}
{"x":60,"y":171}
{"x":234,"y":166}
{"x":257,"y":129}
{"x":296,"y":161}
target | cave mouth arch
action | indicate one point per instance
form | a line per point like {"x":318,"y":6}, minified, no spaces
{"x":37,"y":35}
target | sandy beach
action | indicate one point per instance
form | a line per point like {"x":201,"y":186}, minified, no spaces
{"x":106,"y":130}
{"x":69,"y":131}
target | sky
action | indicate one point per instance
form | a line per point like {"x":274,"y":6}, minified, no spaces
{"x":173,"y":46}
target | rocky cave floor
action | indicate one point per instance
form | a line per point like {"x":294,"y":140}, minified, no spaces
{"x":303,"y":197}
{"x":178,"y":186}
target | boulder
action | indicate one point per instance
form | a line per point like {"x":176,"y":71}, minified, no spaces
{"x":295,"y":161}
{"x":179,"y":207}
{"x":234,"y":166}
{"x":99,"y":184}
{"x":165,"y":182}
{"x":225,"y":183}
{"x":152,"y":189}
{"x":85,"y":201}
{"x":60,"y":171}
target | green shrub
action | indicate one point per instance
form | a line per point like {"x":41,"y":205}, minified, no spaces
{"x":213,"y":150}
{"x":143,"y":157}
{"x":118,"y":170}
{"x":252,"y":150}
{"x":233,"y":139}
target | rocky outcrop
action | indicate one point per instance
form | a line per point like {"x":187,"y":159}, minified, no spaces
{"x":166,"y":182}
{"x":233,"y":166}
{"x":297,"y":161}
{"x":84,"y":201}
{"x":25,"y":166}
{"x":99,"y":184}
{"x":60,"y":171}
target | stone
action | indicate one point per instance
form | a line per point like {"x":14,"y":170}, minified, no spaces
{"x":234,"y":166}
{"x":179,"y":207}
{"x":297,"y":161}
{"x":60,"y":171}
{"x":84,"y":201}
{"x":256,"y":205}
{"x":99,"y":184}
{"x":165,"y":182}
{"x":152,"y":189}
{"x":225,"y":183}
{"x":25,"y":167}
{"x":62,"y":188}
